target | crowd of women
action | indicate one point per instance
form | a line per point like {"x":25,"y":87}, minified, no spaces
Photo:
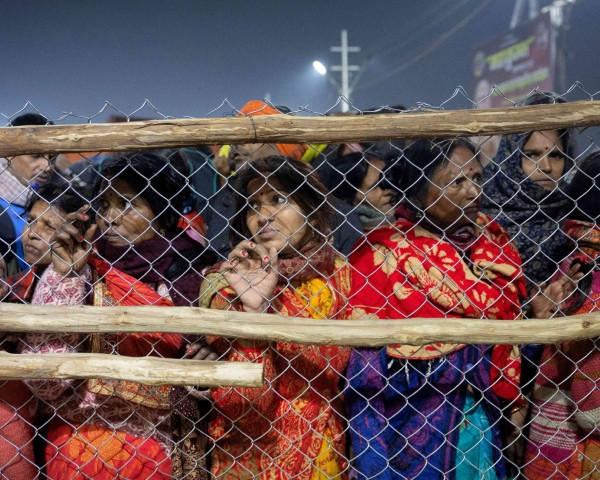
{"x":437,"y":233}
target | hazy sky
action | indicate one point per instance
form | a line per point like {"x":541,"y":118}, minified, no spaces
{"x":187,"y":57}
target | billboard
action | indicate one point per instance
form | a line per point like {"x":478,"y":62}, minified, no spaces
{"x":515,"y":63}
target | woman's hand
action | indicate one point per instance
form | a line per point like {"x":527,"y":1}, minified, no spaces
{"x":546,"y":300}
{"x":514,"y":438}
{"x":199,"y":352}
{"x":70,"y":247}
{"x":251,"y":272}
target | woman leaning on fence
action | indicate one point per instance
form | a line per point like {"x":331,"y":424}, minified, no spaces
{"x":433,"y":411}
{"x":281,"y":263}
{"x":104,"y":428}
{"x":564,"y":439}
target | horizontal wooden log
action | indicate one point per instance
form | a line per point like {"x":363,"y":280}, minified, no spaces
{"x":119,"y":137}
{"x":416,"y":331}
{"x":149,"y":370}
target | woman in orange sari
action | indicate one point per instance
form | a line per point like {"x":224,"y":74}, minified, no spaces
{"x":281,"y":263}
{"x":106,"y":429}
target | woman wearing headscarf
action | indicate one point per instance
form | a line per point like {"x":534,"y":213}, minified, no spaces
{"x":281,"y":263}
{"x":100,"y":428}
{"x":523,"y":193}
{"x":434,"y":411}
{"x":564,"y":438}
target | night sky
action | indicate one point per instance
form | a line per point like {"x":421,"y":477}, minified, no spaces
{"x":188,"y":57}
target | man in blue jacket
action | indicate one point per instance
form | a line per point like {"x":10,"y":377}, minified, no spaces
{"x":18,"y":176}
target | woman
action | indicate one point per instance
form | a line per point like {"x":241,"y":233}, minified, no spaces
{"x":104,"y":428}
{"x":564,"y":440}
{"x":523,"y":192}
{"x":46,"y":210}
{"x":358,"y":179}
{"x":281,"y":263}
{"x":433,"y":411}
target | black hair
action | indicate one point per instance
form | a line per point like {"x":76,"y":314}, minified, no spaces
{"x":584,"y":190}
{"x":411,"y":173}
{"x":30,"y":119}
{"x":564,"y":134}
{"x":153,"y":177}
{"x":60,"y":194}
{"x":344,"y":175}
{"x":297,"y":179}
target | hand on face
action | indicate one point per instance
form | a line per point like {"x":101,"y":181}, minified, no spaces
{"x":274,"y":219}
{"x":70,"y":246}
{"x":252,"y":273}
{"x":42,"y":221}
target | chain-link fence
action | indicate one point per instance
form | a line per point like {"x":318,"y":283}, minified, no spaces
{"x":304,"y":240}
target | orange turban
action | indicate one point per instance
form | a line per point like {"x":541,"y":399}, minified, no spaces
{"x":254,"y":108}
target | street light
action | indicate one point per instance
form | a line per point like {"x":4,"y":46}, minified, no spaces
{"x":320,"y":68}
{"x":345,"y":90}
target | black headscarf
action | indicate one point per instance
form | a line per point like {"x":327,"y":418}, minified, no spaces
{"x":530,"y":213}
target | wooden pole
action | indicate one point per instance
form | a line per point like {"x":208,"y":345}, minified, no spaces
{"x":149,"y":370}
{"x":186,"y":320}
{"x":119,"y":137}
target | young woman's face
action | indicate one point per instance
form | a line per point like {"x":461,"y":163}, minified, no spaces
{"x":42,"y":222}
{"x":124,"y":217}
{"x":274,"y":218}
{"x":454,"y":194}
{"x":370,"y":193}
{"x":543,"y":159}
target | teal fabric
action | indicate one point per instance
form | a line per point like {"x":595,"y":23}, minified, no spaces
{"x":474,"y":457}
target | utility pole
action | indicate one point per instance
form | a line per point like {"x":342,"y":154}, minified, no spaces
{"x":345,"y":68}
{"x":560,"y":10}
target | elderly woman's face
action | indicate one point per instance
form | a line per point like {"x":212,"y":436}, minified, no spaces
{"x":273,"y":217}
{"x":124,"y":217}
{"x":42,"y":222}
{"x":543,"y":160}
{"x":454,"y":194}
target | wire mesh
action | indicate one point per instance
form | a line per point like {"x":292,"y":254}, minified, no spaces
{"x":493,"y":228}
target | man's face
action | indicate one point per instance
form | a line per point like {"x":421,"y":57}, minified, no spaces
{"x":29,"y":169}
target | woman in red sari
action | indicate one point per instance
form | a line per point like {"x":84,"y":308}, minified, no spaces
{"x":105,"y":429}
{"x":434,"y":411}
{"x":282,"y":263}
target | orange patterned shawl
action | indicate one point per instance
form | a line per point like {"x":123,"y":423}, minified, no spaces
{"x":278,"y":431}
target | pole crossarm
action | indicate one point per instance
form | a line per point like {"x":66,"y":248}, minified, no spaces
{"x":152,"y":134}
{"x":251,"y":326}
{"x":149,"y":370}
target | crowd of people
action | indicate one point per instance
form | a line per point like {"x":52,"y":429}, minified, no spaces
{"x":330,"y":232}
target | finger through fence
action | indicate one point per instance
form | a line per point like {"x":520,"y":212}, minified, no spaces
{"x":394,"y":295}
